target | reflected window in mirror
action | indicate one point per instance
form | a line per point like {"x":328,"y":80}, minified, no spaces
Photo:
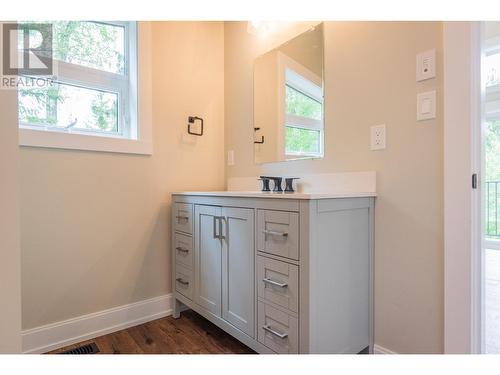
{"x":303,"y":115}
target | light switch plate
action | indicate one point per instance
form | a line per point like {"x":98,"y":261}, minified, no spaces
{"x":426,"y":65}
{"x":230,"y":158}
{"x":377,"y":137}
{"x":426,"y":105}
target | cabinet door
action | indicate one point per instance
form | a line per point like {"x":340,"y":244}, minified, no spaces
{"x":238,"y":268}
{"x":208,"y":250}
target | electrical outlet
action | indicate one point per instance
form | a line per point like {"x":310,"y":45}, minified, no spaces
{"x":377,"y":137}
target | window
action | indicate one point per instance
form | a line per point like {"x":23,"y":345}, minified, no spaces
{"x":303,"y":116}
{"x":491,"y":70}
{"x":70,"y":108}
{"x":492,"y":63}
{"x":492,"y":135}
{"x":94,"y":92}
{"x":492,"y":74}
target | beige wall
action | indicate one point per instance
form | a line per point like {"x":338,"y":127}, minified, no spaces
{"x":95,"y":226}
{"x":10,"y":253}
{"x":370,"y":80}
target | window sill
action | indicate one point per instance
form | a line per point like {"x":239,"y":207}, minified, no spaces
{"x":48,"y":139}
{"x":289,"y":157}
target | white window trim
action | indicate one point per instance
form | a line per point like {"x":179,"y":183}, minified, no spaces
{"x":131,"y":142}
{"x":286,"y":63}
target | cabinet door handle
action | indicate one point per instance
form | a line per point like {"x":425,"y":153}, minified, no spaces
{"x":215,"y":227}
{"x":274,"y":233}
{"x":222,"y":237}
{"x":179,"y":218}
{"x":270,"y":330}
{"x":181,"y":249}
{"x":277,"y":283}
{"x":180,"y":281}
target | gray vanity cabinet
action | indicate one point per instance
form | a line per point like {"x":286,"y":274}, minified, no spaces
{"x":289,"y":274}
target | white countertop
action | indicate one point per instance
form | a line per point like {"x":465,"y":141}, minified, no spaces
{"x":260,"y":194}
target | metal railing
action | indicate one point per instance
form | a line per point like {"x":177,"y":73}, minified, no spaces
{"x":492,"y":209}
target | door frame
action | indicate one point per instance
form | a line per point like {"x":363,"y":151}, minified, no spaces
{"x":10,"y":249}
{"x":463,"y":261}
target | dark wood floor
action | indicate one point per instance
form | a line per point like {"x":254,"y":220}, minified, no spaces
{"x":190,"y":334}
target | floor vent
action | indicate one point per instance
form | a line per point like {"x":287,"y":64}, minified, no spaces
{"x":84,"y":349}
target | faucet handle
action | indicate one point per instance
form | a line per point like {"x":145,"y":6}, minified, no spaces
{"x":277,"y":184}
{"x":289,"y":184}
{"x":265,"y":183}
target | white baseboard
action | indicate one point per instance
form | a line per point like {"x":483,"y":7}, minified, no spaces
{"x":377,"y":349}
{"x":53,"y":336}
{"x":67,"y":332}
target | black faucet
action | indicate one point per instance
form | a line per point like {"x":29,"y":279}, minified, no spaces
{"x":278,"y":183}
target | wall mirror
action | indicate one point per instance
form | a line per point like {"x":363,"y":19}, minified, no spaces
{"x":288,"y":100}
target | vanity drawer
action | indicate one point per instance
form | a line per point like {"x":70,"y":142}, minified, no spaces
{"x":278,"y":233}
{"x":277,"y":330}
{"x":184,"y":281}
{"x":183,"y":217}
{"x":183,"y":250}
{"x":278,"y":282}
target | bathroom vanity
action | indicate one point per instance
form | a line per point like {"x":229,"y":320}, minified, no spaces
{"x":282,"y":273}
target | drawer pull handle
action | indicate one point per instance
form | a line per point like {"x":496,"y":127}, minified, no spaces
{"x":270,"y":330}
{"x":179,"y":218}
{"x":274,"y":233}
{"x":181,"y":249}
{"x":272,"y":282}
{"x":180,"y":281}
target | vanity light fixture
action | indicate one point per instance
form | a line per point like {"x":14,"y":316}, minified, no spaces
{"x":260,"y":28}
